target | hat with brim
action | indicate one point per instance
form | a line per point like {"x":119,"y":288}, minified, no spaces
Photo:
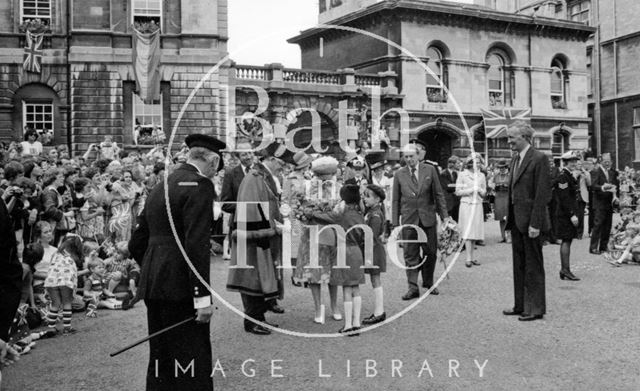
{"x":302,"y":160}
{"x":274,"y":149}
{"x":376,"y":160}
{"x":502,"y":164}
{"x":208,"y":142}
{"x":356,"y":163}
{"x":568,"y":156}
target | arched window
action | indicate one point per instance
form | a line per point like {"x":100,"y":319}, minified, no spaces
{"x":501,"y":83}
{"x":496,"y":76}
{"x":37,"y":106}
{"x":559,"y":81}
{"x":560,"y":139}
{"x":436,"y":79}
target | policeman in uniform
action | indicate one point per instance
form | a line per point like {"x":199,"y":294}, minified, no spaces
{"x":565,"y":193}
{"x":180,"y":359}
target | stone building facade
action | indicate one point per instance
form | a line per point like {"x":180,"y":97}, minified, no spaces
{"x":614,"y":77}
{"x":86,"y":87}
{"x":484,"y":59}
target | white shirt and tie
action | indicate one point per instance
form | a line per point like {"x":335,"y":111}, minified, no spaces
{"x":414,"y":172}
{"x":606,"y":173}
{"x":521,"y":156}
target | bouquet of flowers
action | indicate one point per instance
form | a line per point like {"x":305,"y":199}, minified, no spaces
{"x":307,"y":207}
{"x":449,"y":241}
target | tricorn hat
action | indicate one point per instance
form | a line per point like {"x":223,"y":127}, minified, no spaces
{"x":376,"y":160}
{"x":275,"y":149}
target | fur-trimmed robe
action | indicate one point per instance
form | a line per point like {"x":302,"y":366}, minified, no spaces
{"x":263,"y":247}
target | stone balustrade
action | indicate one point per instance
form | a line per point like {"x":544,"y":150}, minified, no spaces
{"x":275,"y":75}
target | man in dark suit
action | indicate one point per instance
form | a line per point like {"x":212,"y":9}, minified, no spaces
{"x":448,"y":178}
{"x":233,"y":177}
{"x":175,"y":269}
{"x":604,"y":185}
{"x":527,"y":218}
{"x":417,"y":196}
{"x":10,"y":268}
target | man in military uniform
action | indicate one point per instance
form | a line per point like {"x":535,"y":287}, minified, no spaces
{"x":565,"y":215}
{"x":174,"y":288}
{"x":257,"y":240}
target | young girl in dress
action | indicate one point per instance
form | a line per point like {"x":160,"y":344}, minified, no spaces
{"x":62,"y":281}
{"x":352,"y":275}
{"x":375,"y":219}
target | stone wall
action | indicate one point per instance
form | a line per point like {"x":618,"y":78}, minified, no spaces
{"x":53,"y":78}
{"x":97,"y":108}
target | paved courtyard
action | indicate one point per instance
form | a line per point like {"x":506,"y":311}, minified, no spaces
{"x":589,"y":339}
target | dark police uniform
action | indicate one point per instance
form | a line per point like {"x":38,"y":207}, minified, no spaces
{"x":565,"y":195}
{"x":181,"y":358}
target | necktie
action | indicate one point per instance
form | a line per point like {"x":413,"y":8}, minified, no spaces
{"x":413,"y":176}
{"x":515,"y":169}
{"x":606,"y":174}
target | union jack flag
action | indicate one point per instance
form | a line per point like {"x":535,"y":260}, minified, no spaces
{"x":33,"y":53}
{"x":496,"y":122}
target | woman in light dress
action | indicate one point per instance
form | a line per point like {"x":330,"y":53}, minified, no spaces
{"x":471,"y":188}
{"x":323,"y":186}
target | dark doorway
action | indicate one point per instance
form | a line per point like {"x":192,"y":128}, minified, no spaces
{"x":329,"y":135}
{"x":439,"y":145}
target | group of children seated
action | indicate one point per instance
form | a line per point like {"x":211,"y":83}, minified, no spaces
{"x":107,"y":279}
{"x":624,"y":245}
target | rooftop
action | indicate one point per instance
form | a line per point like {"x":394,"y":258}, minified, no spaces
{"x":467,"y":11}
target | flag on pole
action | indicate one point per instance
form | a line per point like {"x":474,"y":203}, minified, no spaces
{"x":146,"y":64}
{"x":33,"y":53}
{"x":496,"y":122}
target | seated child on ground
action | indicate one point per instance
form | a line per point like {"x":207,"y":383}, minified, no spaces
{"x":121,"y":268}
{"x":626,"y":248}
{"x":95,"y":293}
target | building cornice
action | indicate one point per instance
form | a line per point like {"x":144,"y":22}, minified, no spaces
{"x":453,"y":14}
{"x":618,"y":98}
{"x":620,"y":38}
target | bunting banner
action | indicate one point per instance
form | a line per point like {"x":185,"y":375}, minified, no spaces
{"x":33,"y":53}
{"x":146,"y":65}
{"x":496,"y":122}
